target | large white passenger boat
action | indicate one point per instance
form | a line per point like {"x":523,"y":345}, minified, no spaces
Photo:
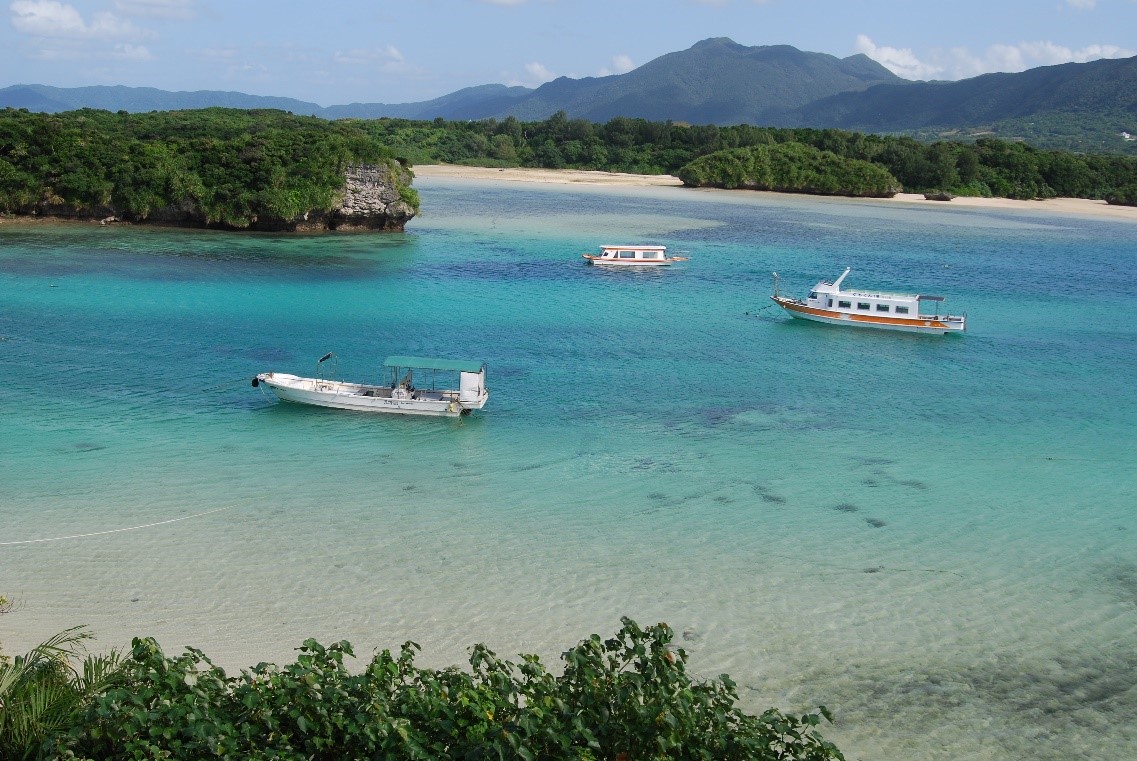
{"x":633,"y":256}
{"x":870,"y":309}
{"x":431,"y":396}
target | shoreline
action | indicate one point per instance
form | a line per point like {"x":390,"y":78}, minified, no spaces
{"x":1083,"y":207}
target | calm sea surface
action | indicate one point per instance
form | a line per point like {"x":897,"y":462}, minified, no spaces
{"x":936,"y":537}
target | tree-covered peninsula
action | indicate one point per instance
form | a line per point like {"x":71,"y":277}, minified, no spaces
{"x":981,"y":167}
{"x":227,"y":168}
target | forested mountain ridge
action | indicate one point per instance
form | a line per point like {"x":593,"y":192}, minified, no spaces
{"x":716,"y":81}
{"x":1105,"y":86}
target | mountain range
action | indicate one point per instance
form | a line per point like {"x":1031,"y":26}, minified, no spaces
{"x":718,"y":81}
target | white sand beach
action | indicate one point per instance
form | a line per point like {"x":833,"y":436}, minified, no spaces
{"x":1071,"y":206}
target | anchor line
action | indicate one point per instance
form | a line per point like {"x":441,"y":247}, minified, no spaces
{"x":115,"y":530}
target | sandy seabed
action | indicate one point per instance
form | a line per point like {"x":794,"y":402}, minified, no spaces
{"x":1073,"y":206}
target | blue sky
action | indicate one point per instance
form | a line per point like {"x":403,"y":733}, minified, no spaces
{"x":410,"y":50}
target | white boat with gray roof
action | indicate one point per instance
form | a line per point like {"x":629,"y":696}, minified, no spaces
{"x":414,"y":386}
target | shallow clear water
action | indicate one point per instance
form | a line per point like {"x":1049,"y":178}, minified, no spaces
{"x":934,"y":536}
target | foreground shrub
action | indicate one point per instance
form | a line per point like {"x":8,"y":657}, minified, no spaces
{"x":625,"y":698}
{"x":41,"y":692}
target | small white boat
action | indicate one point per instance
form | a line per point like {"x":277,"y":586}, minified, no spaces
{"x":633,"y":256}
{"x":401,"y":396}
{"x":869,"y":309}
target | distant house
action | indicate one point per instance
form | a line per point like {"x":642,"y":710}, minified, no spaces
{"x":1127,"y":136}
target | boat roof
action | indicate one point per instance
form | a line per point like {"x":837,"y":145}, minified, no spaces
{"x":431,"y":363}
{"x":889,"y":295}
{"x":638,"y":248}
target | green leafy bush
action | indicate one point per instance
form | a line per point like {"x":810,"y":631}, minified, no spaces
{"x":42,"y":692}
{"x":1125,"y":196}
{"x":624,"y":698}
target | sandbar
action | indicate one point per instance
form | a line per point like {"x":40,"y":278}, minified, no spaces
{"x":1083,"y":207}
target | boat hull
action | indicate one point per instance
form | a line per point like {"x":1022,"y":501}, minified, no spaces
{"x":363,"y":398}
{"x":920,"y":324}
{"x":591,"y":259}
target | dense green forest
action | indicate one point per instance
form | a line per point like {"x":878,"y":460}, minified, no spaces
{"x":623,"y":698}
{"x":232,"y":166}
{"x":985,"y":167}
{"x":790,"y":168}
{"x":227,"y":167}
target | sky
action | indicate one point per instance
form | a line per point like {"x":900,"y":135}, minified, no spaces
{"x":383,"y":51}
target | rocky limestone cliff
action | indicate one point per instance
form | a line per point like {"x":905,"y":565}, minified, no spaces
{"x":370,"y":200}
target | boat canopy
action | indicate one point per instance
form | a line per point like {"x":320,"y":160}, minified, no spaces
{"x":428,"y":363}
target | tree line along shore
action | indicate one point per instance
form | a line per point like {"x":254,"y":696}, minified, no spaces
{"x":230,"y":168}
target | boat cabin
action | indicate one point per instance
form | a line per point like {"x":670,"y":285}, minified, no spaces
{"x":633,"y":256}
{"x":830,"y":297}
{"x":423,"y":376}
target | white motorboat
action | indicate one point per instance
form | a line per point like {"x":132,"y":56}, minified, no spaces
{"x":869,"y":309}
{"x":633,"y":256}
{"x":418,"y":386}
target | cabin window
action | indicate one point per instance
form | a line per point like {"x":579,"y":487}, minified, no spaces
{"x":882,"y":307}
{"x":650,"y":254}
{"x":813,"y":294}
{"x":863,"y":305}
{"x":902,"y":310}
{"x":829,"y":303}
{"x":627,"y":254}
{"x":844,"y":304}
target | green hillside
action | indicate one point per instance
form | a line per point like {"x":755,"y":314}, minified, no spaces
{"x":1075,"y":106}
{"x":716,"y":81}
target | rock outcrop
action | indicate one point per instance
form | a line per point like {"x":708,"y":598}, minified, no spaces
{"x":371,"y":200}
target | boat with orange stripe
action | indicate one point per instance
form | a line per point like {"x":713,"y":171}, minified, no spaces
{"x":870,"y":309}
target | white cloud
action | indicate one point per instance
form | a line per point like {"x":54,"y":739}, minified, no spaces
{"x":538,"y":74}
{"x":126,"y":51}
{"x":174,"y":9}
{"x":960,"y":62}
{"x":49,"y":18}
{"x":621,"y":64}
{"x":900,"y":61}
{"x":389,"y":57}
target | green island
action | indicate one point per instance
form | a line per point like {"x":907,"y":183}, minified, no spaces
{"x":621,"y":699}
{"x":225,"y":168}
{"x":271,"y":170}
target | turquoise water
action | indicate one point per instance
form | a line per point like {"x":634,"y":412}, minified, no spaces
{"x":934,"y":536}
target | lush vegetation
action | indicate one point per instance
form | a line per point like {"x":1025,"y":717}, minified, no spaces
{"x":983,"y":167}
{"x":232,"y":167}
{"x":790,"y":168}
{"x":624,"y":698}
{"x":222,"y":166}
{"x":42,"y":692}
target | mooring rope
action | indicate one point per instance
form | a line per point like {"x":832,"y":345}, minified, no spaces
{"x":116,"y":530}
